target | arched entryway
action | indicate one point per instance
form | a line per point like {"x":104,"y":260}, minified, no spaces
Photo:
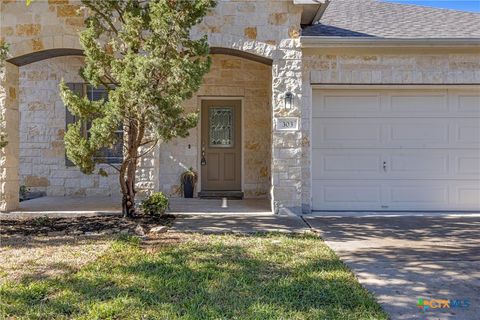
{"x":36,"y":152}
{"x":29,"y":86}
{"x":240,"y":83}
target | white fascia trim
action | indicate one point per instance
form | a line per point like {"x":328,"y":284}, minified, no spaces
{"x":379,"y":86}
{"x":302,"y":2}
{"x":325,"y":42}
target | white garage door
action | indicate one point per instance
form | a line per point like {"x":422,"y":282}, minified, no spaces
{"x":396,"y":149}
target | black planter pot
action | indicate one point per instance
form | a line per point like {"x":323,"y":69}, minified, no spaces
{"x":188,"y":189}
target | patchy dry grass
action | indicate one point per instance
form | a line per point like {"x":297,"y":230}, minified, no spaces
{"x":180,"y":276}
{"x":40,"y":257}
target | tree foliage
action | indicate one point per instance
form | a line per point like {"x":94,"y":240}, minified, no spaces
{"x":141,"y":51}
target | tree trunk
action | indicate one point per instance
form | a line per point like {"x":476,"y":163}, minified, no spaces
{"x":128,"y":204}
{"x":129,"y":168}
{"x":128,"y":199}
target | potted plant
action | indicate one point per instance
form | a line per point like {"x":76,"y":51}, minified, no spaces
{"x":188,"y":179}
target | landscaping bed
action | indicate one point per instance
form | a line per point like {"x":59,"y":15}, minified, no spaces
{"x":92,"y":225}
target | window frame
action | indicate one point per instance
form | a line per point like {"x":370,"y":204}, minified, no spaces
{"x":69,"y":119}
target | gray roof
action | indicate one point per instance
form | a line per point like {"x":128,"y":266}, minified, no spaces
{"x":376,"y":18}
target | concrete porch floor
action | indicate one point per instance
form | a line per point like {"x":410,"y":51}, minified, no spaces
{"x":95,"y":205}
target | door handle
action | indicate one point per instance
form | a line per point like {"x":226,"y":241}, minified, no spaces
{"x":203,"y":161}
{"x":385,"y":166}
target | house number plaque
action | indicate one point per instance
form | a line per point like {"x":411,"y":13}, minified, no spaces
{"x":286,"y":124}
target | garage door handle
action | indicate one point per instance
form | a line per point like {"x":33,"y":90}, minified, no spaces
{"x":385,"y":166}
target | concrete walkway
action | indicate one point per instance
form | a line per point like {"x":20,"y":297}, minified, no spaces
{"x":195,"y":206}
{"x":66,"y":207}
{"x":240,"y":223}
{"x":401,"y":259}
{"x":241,"y":216}
{"x":97,"y":205}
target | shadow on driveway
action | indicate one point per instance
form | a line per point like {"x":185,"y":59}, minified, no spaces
{"x":401,"y":259}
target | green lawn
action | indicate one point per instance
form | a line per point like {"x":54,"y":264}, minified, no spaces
{"x":199,"y":277}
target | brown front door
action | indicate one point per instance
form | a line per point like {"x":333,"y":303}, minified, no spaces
{"x":221,"y":145}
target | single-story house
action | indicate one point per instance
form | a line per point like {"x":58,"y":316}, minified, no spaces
{"x":315,"y":105}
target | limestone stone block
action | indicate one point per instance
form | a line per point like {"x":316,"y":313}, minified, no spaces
{"x":67,"y":10}
{"x":30,"y":29}
{"x":250,"y":32}
{"x":36,"y":181}
{"x":278,"y":18}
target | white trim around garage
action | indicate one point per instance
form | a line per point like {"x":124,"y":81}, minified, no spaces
{"x":373,"y":151}
{"x":369,"y":42}
{"x":332,"y":86}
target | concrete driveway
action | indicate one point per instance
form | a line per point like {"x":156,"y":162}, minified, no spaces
{"x":402,"y":259}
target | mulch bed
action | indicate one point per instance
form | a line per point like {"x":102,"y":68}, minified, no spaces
{"x":104,"y":224}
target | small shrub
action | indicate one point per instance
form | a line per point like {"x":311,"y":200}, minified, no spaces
{"x":43,"y":221}
{"x":155,"y":204}
{"x":23,"y":192}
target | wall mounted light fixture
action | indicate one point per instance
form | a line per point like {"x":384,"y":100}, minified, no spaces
{"x":288,"y":100}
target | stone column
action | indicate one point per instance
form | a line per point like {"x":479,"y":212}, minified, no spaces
{"x":287,"y":145}
{"x":9,"y":156}
{"x":147,"y":176}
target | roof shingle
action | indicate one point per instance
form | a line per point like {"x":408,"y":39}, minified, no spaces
{"x":374,"y":18}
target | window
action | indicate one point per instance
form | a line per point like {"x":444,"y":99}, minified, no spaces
{"x":221,"y":127}
{"x":107,"y":155}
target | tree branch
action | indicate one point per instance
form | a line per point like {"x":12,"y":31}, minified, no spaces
{"x":148,"y":151}
{"x":105,"y":18}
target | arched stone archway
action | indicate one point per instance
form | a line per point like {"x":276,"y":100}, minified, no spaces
{"x":232,"y":77}
{"x":43,"y":55}
{"x":9,"y":108}
{"x":241,"y":54}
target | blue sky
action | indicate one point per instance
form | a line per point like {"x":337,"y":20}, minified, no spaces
{"x":464,"y":5}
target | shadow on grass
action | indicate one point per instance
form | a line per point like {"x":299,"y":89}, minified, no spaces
{"x":205,"y":277}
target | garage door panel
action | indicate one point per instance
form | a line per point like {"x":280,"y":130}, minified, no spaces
{"x":430,"y":133}
{"x":346,"y":164}
{"x":467,"y":195}
{"x":346,"y":132}
{"x":396,"y":133}
{"x":468,"y":164}
{"x":356,"y":103}
{"x":467,"y":134}
{"x":411,"y":104}
{"x":400,"y":195}
{"x":429,"y":141}
{"x":411,"y":132}
{"x":433,"y":164}
{"x":419,"y":164}
{"x":468,"y":105}
{"x":349,"y":195}
{"x":417,"y":192}
{"x":399,"y":164}
{"x":397,"y":103}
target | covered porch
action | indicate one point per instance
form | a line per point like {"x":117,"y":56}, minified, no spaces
{"x":72,"y":206}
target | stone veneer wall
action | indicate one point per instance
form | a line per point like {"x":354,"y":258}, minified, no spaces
{"x":404,"y":68}
{"x":229,"y":77}
{"x":45,"y":24}
{"x":352,"y":66}
{"x":42,"y":126}
{"x":9,"y":155}
{"x":271,"y":29}
{"x":267,"y":28}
